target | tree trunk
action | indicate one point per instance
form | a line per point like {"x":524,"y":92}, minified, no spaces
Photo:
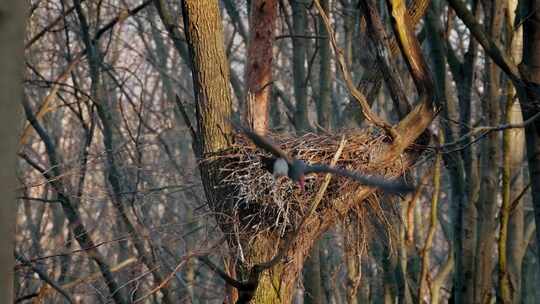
{"x":299,"y":64}
{"x":490,"y":164}
{"x":210,"y":73}
{"x":259,"y":63}
{"x":312,"y":277}
{"x":464,"y":213}
{"x":324,"y":109}
{"x":12,"y":23}
{"x":513,"y":156}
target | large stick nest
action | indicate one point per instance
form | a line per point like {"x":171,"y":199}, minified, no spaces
{"x":251,"y":201}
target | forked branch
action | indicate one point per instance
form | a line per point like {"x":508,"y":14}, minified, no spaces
{"x":358,"y":96}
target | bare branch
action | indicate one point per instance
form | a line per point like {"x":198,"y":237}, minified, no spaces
{"x":42,"y":275}
{"x":359,"y":97}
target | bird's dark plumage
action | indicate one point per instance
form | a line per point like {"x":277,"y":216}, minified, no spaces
{"x":297,"y":169}
{"x":263,"y":143}
{"x":374,"y":181}
{"x":268,"y":163}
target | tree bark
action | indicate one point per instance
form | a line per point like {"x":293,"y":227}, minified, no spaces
{"x":513,"y":244}
{"x":210,"y":73}
{"x":301,"y":121}
{"x":324,"y":109}
{"x":490,"y":161}
{"x":312,"y":277}
{"x":259,"y":63}
{"x":12,"y":24}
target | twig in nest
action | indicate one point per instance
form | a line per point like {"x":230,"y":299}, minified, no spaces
{"x":326,"y":181}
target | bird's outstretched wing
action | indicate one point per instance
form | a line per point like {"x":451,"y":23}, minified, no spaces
{"x":262,"y":142}
{"x":390,"y":186}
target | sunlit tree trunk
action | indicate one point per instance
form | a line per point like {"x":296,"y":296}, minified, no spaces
{"x":210,"y":77}
{"x":512,"y":231}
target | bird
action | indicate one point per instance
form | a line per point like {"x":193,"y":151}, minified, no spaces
{"x":281,"y":164}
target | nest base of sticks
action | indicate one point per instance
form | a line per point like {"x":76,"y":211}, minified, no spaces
{"x":250,"y":201}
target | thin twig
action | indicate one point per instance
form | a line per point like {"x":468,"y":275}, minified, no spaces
{"x":485,"y":130}
{"x":49,"y":27}
{"x":183,"y":260}
{"x":326,"y":182}
{"x":39,"y":199}
{"x":43,"y":276}
{"x":515,"y":202}
{"x":228,"y":279}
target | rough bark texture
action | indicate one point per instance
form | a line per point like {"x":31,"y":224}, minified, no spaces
{"x":376,"y":31}
{"x":210,"y":71}
{"x":259,"y":63}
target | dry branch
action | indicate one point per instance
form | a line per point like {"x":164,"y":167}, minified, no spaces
{"x":358,"y":96}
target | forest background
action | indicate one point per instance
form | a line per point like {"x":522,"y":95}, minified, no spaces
{"x":132,"y":185}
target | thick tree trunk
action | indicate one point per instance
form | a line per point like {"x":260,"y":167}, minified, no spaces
{"x":259,"y":63}
{"x":12,"y":22}
{"x":464,"y":212}
{"x":210,"y":73}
